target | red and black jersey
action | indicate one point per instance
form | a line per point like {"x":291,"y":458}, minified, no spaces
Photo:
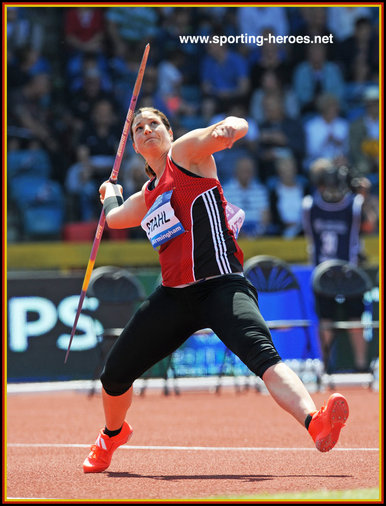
{"x":207,"y":247}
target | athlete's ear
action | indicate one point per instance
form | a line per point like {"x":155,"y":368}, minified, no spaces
{"x":135,"y":149}
{"x":171,"y":134}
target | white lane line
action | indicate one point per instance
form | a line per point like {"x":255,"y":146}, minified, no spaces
{"x":187,"y":448}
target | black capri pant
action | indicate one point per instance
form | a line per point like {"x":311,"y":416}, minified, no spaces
{"x":228,"y":305}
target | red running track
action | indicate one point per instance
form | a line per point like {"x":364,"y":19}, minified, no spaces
{"x":252,"y":447}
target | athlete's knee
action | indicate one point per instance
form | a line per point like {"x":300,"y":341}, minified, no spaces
{"x":261,"y":362}
{"x":114,"y":385}
{"x":267,"y":366}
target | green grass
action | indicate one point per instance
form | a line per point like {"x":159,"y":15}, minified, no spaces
{"x":368,"y":494}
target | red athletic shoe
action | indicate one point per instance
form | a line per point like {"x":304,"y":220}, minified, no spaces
{"x":102,"y":451}
{"x":326,"y":423}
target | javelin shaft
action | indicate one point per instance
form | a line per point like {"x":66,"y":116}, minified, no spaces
{"x":129,"y":117}
{"x":113,"y":178}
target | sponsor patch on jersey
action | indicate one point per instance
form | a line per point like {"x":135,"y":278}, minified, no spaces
{"x":160,"y":222}
{"x":235,"y":217}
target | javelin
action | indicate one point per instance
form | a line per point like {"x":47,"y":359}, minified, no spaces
{"x":113,"y":178}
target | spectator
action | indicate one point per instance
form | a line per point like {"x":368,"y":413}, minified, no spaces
{"x":355,"y":89}
{"x":82,"y":67}
{"x":341,"y":20}
{"x":224,"y":74}
{"x":315,"y":76}
{"x":101,"y":136}
{"x":208,"y":109}
{"x":316,"y":171}
{"x":362,"y":186}
{"x":176,"y":21}
{"x":23,"y":63}
{"x":246,"y":192}
{"x":84,"y":30}
{"x":151,"y":91}
{"x":327,"y":133}
{"x":270,"y":83}
{"x":171,"y":77}
{"x":85,"y":38}
{"x":21,"y":31}
{"x":95,"y":157}
{"x":272,"y":59}
{"x":314,"y":24}
{"x":287,"y":190}
{"x":33,"y":115}
{"x":277,"y":131}
{"x":254,"y":20}
{"x":127,"y":25}
{"x":32,"y":62}
{"x":215,"y":17}
{"x":332,"y":220}
{"x":80,"y":189}
{"x":361,"y":47}
{"x":364,"y":137}
{"x":123,"y":70}
{"x":82,"y":101}
{"x":245,"y":147}
{"x":219,"y":20}
{"x":132,"y":176}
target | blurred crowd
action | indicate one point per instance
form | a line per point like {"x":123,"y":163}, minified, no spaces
{"x":71,"y":72}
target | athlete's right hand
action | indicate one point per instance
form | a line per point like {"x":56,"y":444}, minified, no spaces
{"x":103,"y":187}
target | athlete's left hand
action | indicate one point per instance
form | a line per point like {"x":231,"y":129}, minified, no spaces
{"x":227,"y":132}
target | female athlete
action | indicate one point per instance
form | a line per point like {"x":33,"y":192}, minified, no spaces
{"x":183,"y":211}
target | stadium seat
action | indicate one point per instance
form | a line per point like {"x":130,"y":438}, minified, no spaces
{"x":341,"y":281}
{"x":28,"y":162}
{"x":40,"y":202}
{"x":82,"y":231}
{"x":119,"y":292}
{"x":272,"y":276}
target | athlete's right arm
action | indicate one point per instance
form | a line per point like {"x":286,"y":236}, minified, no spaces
{"x":121,"y":214}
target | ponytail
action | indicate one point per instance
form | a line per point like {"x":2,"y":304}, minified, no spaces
{"x":149,"y":171}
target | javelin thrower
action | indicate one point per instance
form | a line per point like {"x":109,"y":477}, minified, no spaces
{"x":113,"y":179}
{"x":182,"y":208}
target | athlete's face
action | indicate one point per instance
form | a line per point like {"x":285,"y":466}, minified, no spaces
{"x":150,"y":135}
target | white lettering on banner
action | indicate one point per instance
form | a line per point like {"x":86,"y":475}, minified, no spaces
{"x":21,"y":329}
{"x":90,"y":326}
{"x":160,"y":222}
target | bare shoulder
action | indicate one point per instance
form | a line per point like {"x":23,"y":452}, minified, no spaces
{"x":185,"y":147}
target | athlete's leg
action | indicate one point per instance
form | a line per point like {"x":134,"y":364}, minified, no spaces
{"x":115,"y":408}
{"x":289,"y":391}
{"x":158,"y":328}
{"x":243,"y":330}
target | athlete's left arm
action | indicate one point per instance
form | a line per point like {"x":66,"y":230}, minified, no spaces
{"x":194,"y":150}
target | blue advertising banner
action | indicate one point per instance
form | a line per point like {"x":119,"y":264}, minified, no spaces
{"x":41,"y":310}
